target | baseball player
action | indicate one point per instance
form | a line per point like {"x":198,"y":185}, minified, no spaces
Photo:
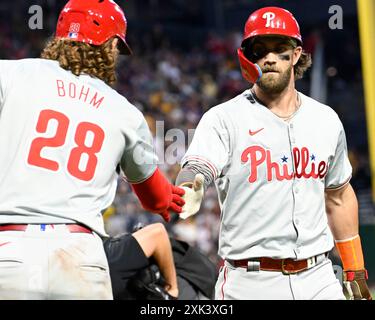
{"x":63,"y":133}
{"x":280,"y":165}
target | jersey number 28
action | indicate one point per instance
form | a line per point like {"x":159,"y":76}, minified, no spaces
{"x":58,"y":140}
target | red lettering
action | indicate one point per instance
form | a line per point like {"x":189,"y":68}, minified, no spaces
{"x":297,"y":159}
{"x":251,"y":153}
{"x":305,"y":161}
{"x":84,"y":93}
{"x":276,"y":167}
{"x":322,"y":169}
{"x":72,"y":90}
{"x":257,"y":155}
{"x":287,"y":176}
{"x":313,"y":174}
{"x":272,"y":166}
{"x":305,"y":157}
{"x":60,"y":88}
{"x":95,"y":103}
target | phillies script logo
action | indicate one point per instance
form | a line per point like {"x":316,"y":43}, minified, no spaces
{"x":304,"y":166}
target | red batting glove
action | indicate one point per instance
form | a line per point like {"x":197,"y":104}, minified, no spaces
{"x":176,"y":203}
{"x":158,"y":195}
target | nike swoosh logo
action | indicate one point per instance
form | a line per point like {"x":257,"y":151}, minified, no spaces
{"x":253,"y":133}
{"x":3,"y":244}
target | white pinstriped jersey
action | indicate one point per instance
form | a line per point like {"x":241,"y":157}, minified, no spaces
{"x":61,"y":139}
{"x":271,"y":175}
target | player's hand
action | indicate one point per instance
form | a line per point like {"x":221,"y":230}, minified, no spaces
{"x":176,"y":202}
{"x":355,"y":286}
{"x":193,"y":197}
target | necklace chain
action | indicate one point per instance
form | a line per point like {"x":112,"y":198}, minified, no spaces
{"x":288,"y":117}
{"x":298,"y":104}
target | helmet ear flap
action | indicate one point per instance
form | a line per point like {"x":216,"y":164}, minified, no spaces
{"x":247,"y":50}
{"x":250,"y":71}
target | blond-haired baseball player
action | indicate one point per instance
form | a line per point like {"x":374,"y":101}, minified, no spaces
{"x":63,"y":133}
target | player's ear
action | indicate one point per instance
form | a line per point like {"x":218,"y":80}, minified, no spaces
{"x":296,"y":55}
{"x":114,"y":43}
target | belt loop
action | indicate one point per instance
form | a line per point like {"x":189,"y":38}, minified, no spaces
{"x":311,"y":262}
{"x":322,"y":257}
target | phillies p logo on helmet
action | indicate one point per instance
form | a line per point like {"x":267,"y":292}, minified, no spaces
{"x":270,"y":17}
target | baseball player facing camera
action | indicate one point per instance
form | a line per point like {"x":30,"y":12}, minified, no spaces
{"x":279,"y":162}
{"x":63,"y":133}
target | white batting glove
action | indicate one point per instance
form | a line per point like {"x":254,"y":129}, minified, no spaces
{"x":193,"y":197}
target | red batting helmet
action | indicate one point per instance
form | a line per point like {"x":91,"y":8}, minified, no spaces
{"x":93,"y":22}
{"x":266,"y":21}
{"x":272,"y":21}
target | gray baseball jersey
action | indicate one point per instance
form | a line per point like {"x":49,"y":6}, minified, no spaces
{"x":61,"y":139}
{"x":271,"y":175}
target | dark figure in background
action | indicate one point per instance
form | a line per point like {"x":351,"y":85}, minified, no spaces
{"x":149,"y":265}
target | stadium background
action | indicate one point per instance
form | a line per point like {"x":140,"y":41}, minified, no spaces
{"x":184,"y":62}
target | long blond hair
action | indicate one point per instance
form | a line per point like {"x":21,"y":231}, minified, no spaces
{"x":79,"y":57}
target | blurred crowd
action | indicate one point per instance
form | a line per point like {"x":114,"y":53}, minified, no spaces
{"x":176,"y":86}
{"x":173,"y":88}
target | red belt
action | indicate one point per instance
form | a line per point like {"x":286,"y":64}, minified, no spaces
{"x":73,"y":228}
{"x":286,"y":266}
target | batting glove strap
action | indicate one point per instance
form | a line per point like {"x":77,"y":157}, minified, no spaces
{"x":355,"y":286}
{"x":356,"y":275}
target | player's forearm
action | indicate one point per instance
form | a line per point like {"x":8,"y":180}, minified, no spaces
{"x":342,"y":212}
{"x":154,"y":241}
{"x":154,"y":193}
{"x":164,"y":259}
